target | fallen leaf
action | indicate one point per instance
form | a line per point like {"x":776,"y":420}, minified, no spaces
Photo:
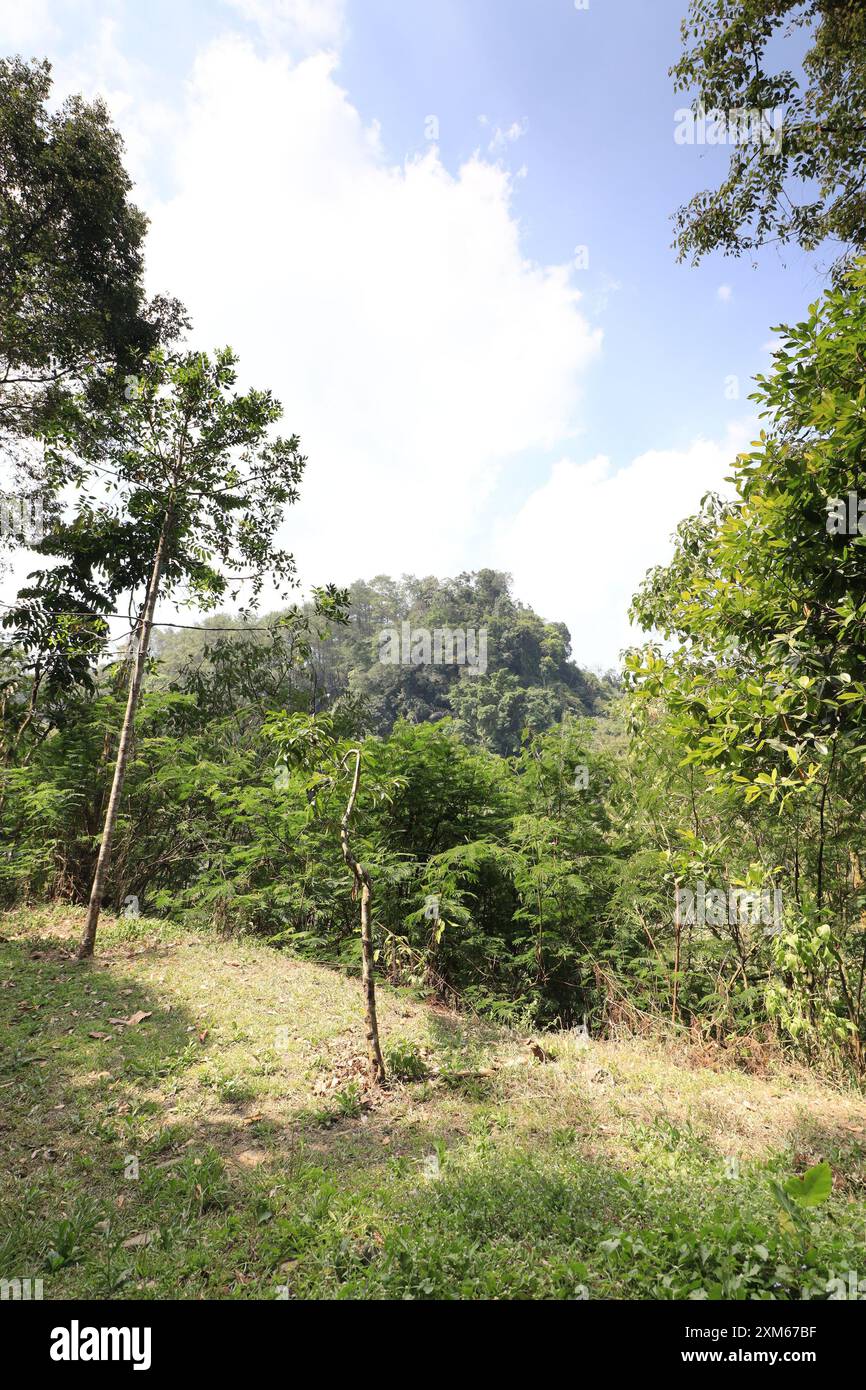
{"x":251,"y":1158}
{"x":601,"y":1076}
{"x":134,"y":1242}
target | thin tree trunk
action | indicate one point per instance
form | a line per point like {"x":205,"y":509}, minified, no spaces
{"x":677,"y":939}
{"x":364,"y":888}
{"x":137,"y":676}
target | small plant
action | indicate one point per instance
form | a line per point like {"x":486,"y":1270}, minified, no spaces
{"x":348,"y":1101}
{"x":68,"y":1236}
{"x":346,"y":1104}
{"x":799,"y":1195}
{"x":233,"y":1090}
{"x":406,"y":1062}
{"x":198,"y":1184}
{"x":112,"y":1274}
{"x":65,"y":1248}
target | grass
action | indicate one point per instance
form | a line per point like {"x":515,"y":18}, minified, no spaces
{"x":226,"y":1145}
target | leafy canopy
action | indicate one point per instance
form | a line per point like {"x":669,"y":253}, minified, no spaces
{"x":809,"y":186}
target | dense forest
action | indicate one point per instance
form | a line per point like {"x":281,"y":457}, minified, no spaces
{"x":413,"y":781}
{"x":467,"y":775}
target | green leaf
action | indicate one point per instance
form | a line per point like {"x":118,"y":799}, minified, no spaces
{"x":813,"y":1188}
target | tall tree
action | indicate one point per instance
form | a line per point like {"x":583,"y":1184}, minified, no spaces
{"x":766,"y":596}
{"x":806,"y":184}
{"x":183,"y":489}
{"x":71,"y":295}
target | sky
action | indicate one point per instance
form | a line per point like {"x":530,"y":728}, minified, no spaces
{"x":441,"y":234}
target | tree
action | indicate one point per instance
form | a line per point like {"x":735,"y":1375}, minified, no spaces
{"x":766,"y":596}
{"x":310,"y":741}
{"x":193,"y":489}
{"x":363,"y":889}
{"x":71,"y":296}
{"x":818,"y":149}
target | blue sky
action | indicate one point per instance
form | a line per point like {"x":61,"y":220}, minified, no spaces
{"x":414,"y":300}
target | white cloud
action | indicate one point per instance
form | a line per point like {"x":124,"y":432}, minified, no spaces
{"x":391,"y":308}
{"x":582,"y":542}
{"x":26,"y":28}
{"x":502,"y":138}
{"x":724,"y":293}
{"x":302,"y":24}
{"x":416,"y":349}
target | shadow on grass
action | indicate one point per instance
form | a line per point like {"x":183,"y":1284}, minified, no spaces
{"x":107,"y":1194}
{"x":105,"y":1191}
{"x":842,"y":1145}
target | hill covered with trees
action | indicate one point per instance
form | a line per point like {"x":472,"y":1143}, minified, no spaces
{"x":521,"y":678}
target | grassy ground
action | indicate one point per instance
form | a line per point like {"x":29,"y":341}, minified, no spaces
{"x":224,"y":1145}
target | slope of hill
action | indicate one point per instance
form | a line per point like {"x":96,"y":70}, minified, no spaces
{"x":518,"y":671}
{"x":188,"y":1117}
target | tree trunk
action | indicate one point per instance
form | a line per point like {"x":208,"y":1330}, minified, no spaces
{"x":677,"y":940}
{"x":124,"y":748}
{"x":364,"y":888}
